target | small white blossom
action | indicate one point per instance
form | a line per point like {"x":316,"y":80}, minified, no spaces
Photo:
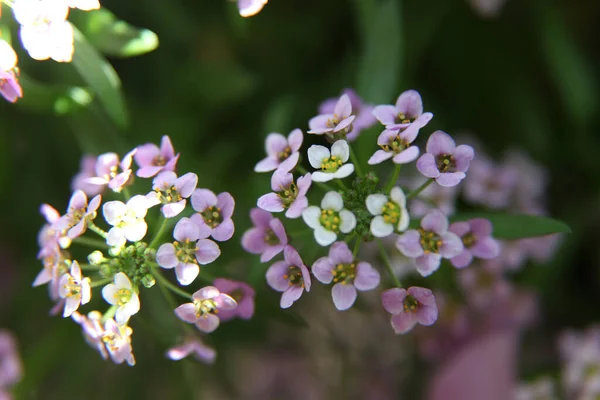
{"x":122,"y":295}
{"x":127,"y":220}
{"x":85,"y":5}
{"x":331,"y":164}
{"x":118,"y":342}
{"x":329,"y":220}
{"x":74,"y":289}
{"x":8,"y":57}
{"x":390,"y":212}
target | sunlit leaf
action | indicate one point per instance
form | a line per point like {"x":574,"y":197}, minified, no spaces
{"x":58,"y":99}
{"x":112,"y":36}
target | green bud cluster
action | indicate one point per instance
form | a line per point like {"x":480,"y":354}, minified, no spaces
{"x":355,"y":201}
{"x":135,"y":261}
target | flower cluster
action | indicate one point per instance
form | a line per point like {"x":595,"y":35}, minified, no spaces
{"x":11,"y":368}
{"x":124,"y":262}
{"x":355,"y":210}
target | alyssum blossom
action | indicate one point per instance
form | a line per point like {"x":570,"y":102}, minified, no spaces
{"x":476,"y":235}
{"x":282,"y":154}
{"x":193,"y":346}
{"x":9,"y":86}
{"x":206,"y":304}
{"x":267,"y":237}
{"x":74,"y":289}
{"x":409,"y":307}
{"x":172,"y":192}
{"x":389,"y":212}
{"x":123,"y":295}
{"x":151,"y":160}
{"x":187,"y":251}
{"x":347,"y":274}
{"x":289,"y":276}
{"x":286,"y":195}
{"x":364,"y":117}
{"x":332,"y":165}
{"x":117,"y":339}
{"x":396,"y":144}
{"x":444,"y":161}
{"x":242,"y":293}
{"x":213,"y":214}
{"x":78,"y":214}
{"x":407,"y":113}
{"x":329,"y":220}
{"x":107,"y":171}
{"x":430,"y":243}
{"x":338,"y":122}
{"x":87,"y":169}
{"x":127,"y":220}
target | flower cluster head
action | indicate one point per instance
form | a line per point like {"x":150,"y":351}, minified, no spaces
{"x":363,"y":112}
{"x":133,"y":246}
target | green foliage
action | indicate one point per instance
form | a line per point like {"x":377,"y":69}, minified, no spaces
{"x":511,"y":227}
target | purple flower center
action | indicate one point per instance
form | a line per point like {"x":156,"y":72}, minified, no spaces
{"x":168,"y":195}
{"x":159,"y":161}
{"x":205,"y":307}
{"x":402,"y":118}
{"x":186,"y":251}
{"x":396,"y":145}
{"x":271,"y":238}
{"x":294,"y":276}
{"x":410,"y":304}
{"x":344,"y":273}
{"x":469,"y":240}
{"x":331,"y":164}
{"x":446,"y":163}
{"x":430,"y":242}
{"x":282,"y":156}
{"x":330,"y":220}
{"x":391,"y":213}
{"x":288,"y":196}
{"x":212,"y":216}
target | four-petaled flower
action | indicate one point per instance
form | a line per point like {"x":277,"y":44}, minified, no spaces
{"x":347,"y":274}
{"x":289,"y":276}
{"x":267,"y":237}
{"x":444,"y":161}
{"x":396,"y":144}
{"x":430,"y":243}
{"x":409,"y":307}
{"x":153,"y":160}
{"x":390,"y":213}
{"x":331,"y":164}
{"x":207,"y":302}
{"x":364,"y":117}
{"x":78,"y":214}
{"x":107,"y":171}
{"x":92,"y":330}
{"x":337,"y":123}
{"x":117,"y":339}
{"x":87,"y":169}
{"x":213,"y":214}
{"x":407,"y":113}
{"x":123,"y":295}
{"x":476,"y":235}
{"x":9,"y":86}
{"x":193,"y":346}
{"x":287,"y":194}
{"x":187,"y":252}
{"x":74,"y":289}
{"x":329,"y":220}
{"x":242,"y":293}
{"x":282,"y":153}
{"x":127,"y":220}
{"x":172,"y":192}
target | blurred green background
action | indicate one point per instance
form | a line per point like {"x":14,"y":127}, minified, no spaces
{"x":527,"y":78}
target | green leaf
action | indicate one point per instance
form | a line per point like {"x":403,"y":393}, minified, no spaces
{"x":380,"y":64}
{"x":56,"y":99}
{"x":97,"y":72}
{"x":515,"y":226}
{"x":112,"y":36}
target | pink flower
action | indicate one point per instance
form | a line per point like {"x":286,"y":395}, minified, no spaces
{"x":207,"y":302}
{"x":286,"y":194}
{"x":172,"y":192}
{"x":74,"y":289}
{"x":87,"y":169}
{"x":444,"y":161}
{"x":10,"y":88}
{"x":397,"y":145}
{"x":242,"y":293}
{"x":78,"y":214}
{"x":407,"y":113}
{"x":107,"y":171}
{"x":289,"y":276}
{"x":338,"y":122}
{"x":282,"y":153}
{"x":151,"y":160}
{"x":364,"y":117}
{"x":476,"y":235}
{"x":267,"y":237}
{"x":347,"y":274}
{"x":92,"y":330}
{"x":193,"y":346}
{"x":409,"y":307}
{"x":213,"y":214}
{"x":117,"y":339}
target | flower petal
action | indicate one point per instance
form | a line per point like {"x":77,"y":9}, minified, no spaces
{"x":343,"y":295}
{"x":367,"y":277}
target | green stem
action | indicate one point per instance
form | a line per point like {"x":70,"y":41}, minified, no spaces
{"x":322,"y":185}
{"x":109,"y":314}
{"x":171,"y":301}
{"x":394,"y":178}
{"x":161,"y":229}
{"x":94,"y":228}
{"x":126,"y":194}
{"x":354,"y":159}
{"x":420,"y":188}
{"x":356,"y":247}
{"x":348,"y":238}
{"x":165,"y":282}
{"x":341,"y":184}
{"x":101,"y":282}
{"x":388,"y":265}
{"x":95,"y":243}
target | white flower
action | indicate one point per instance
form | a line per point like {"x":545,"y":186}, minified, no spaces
{"x":74,"y":289}
{"x":118,"y":342}
{"x":45,"y":32}
{"x":85,"y":5}
{"x":330,"y":219}
{"x":123,"y":295}
{"x":390,"y":213}
{"x":8,"y":57}
{"x":331,"y":163}
{"x":127,"y":220}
